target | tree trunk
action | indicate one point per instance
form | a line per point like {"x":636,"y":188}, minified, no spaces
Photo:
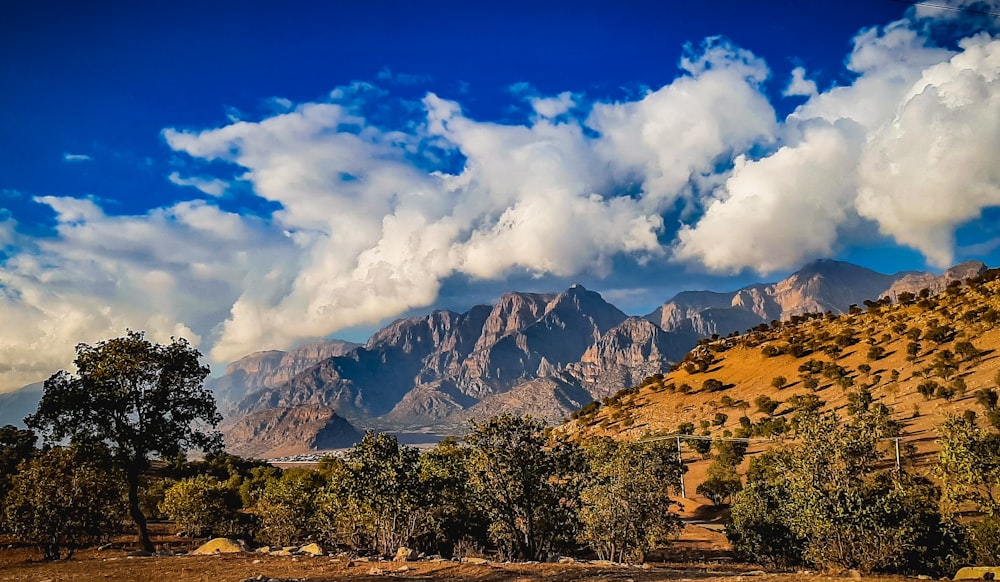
{"x":135,"y":512}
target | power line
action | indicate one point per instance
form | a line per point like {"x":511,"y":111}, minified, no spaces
{"x":947,"y":7}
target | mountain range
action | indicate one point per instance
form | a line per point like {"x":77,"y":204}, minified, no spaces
{"x":541,"y":354}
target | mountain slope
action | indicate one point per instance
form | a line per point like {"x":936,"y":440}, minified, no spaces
{"x":957,"y":353}
{"x":548,"y":354}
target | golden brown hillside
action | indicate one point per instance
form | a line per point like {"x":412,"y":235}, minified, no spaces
{"x":926,"y":357}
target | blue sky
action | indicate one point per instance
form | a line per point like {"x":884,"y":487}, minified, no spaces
{"x":255,"y":174}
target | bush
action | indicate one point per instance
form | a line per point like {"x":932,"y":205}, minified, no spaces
{"x":63,"y":500}
{"x":825,"y":501}
{"x":766,"y":405}
{"x":712,"y":385}
{"x":626,"y":501}
{"x":779,"y":382}
{"x":200,"y":505}
{"x":984,"y":541}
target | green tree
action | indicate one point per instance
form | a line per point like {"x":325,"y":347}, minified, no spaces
{"x":452,"y":513}
{"x":294,"y":507}
{"x":828,"y":497}
{"x":201,"y":504}
{"x":63,"y":499}
{"x":16,"y":445}
{"x":626,"y":500}
{"x":528,"y":488}
{"x":969,"y":465}
{"x":138,"y":398}
{"x":382,"y":487}
{"x":766,"y":405}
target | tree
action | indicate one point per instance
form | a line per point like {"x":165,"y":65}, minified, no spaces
{"x":452,"y":512}
{"x":294,"y":507}
{"x":766,"y":405}
{"x":382,"y":487}
{"x":201,"y":504}
{"x":779,"y":382}
{"x":827,"y":498}
{"x":626,"y":500}
{"x":969,"y":465}
{"x":16,"y":445}
{"x":135,"y":397}
{"x":528,"y":489}
{"x":63,"y":499}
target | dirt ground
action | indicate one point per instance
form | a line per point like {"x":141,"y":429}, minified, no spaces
{"x":700,"y":554}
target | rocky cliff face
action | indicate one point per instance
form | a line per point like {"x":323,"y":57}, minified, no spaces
{"x":271,"y":368}
{"x":541,"y":354}
{"x":818,"y":287}
{"x":278,"y":432}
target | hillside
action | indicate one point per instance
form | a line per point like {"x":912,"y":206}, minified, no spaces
{"x":944,"y":345}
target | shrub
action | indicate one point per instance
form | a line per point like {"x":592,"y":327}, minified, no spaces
{"x":62,"y":500}
{"x":200,"y":505}
{"x":928,"y":389}
{"x":766,"y":405}
{"x":712,"y":385}
{"x":779,"y":382}
{"x":825,"y":501}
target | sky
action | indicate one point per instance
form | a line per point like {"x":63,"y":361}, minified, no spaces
{"x":253,"y":175}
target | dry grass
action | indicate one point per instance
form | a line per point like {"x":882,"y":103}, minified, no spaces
{"x":748,"y":374}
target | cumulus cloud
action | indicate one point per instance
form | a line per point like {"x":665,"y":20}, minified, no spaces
{"x":377,"y":235}
{"x":210,"y":186}
{"x":799,"y":86}
{"x":792,"y":205}
{"x":68,"y":157}
{"x":778,"y":211}
{"x":371,"y":220}
{"x":933,"y":167}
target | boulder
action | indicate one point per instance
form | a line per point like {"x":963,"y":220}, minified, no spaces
{"x":220,"y":546}
{"x":404,"y":555}
{"x":978,"y":573}
{"x":312,"y":550}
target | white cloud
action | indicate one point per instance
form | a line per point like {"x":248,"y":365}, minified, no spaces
{"x":684,"y":128}
{"x":799,"y":86}
{"x":781,"y":210}
{"x":211,"y":186}
{"x":933,"y":167}
{"x":841,"y":161}
{"x":552,"y":107}
{"x":363,"y":232}
{"x":68,"y":157}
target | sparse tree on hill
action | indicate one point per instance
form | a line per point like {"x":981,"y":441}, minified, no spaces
{"x":138,"y":398}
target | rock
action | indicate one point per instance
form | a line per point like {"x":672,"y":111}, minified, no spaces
{"x":566,"y":560}
{"x":404,"y":555}
{"x":312,"y":550}
{"x":263,"y":550}
{"x":220,"y":546}
{"x":403,"y":569}
{"x":475,"y":560}
{"x":376,"y":572}
{"x":978,"y":573}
